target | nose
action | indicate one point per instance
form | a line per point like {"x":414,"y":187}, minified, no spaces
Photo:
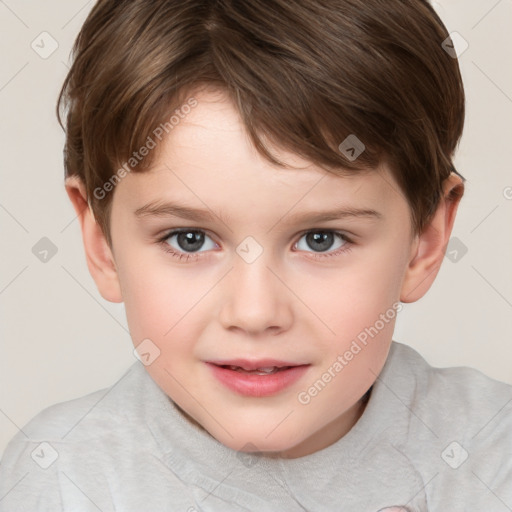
{"x":255,"y":300}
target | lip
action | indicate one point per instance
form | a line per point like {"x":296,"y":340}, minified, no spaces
{"x":257,"y":385}
{"x":254,"y":364}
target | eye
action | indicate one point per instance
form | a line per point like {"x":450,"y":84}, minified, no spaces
{"x":187,"y":243}
{"x":322,"y":241}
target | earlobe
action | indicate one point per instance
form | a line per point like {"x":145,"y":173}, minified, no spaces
{"x":429,"y":248}
{"x":99,"y":256}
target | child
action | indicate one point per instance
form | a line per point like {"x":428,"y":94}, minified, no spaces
{"x":267,"y":378}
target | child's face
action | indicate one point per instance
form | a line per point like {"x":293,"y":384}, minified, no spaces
{"x":297,"y":302}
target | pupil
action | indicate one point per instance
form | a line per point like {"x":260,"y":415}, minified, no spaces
{"x":324,"y":239}
{"x":190,"y":240}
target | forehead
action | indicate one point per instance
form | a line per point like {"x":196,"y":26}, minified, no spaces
{"x":207,"y":160}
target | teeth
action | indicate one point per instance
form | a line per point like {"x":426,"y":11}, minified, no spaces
{"x":260,"y":371}
{"x":268,"y":369}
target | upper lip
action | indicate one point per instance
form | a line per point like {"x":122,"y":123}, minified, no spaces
{"x":247,"y":364}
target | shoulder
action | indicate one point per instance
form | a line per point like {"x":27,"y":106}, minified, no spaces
{"x":453,"y":392}
{"x":73,"y":423}
{"x":58,"y":421}
{"x":29,"y":476}
{"x":456,"y":423}
{"x":82,"y":436}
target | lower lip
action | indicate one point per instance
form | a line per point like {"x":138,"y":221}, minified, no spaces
{"x":251,"y":384}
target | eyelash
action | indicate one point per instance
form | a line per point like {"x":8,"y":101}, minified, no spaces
{"x":194,"y":256}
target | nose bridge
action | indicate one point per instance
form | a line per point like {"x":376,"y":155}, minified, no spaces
{"x":255,"y":299}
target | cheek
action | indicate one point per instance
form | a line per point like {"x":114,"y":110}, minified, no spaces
{"x":352,"y":359}
{"x":348,"y":299}
{"x":360,"y":304}
{"x":165,"y":307}
{"x":160,"y":302}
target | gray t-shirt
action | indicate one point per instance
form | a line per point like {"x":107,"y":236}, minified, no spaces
{"x":436,"y":439}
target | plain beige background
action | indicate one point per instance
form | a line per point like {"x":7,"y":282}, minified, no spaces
{"x":61,"y":340}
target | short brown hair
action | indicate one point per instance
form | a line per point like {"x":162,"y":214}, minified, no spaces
{"x":303,"y":74}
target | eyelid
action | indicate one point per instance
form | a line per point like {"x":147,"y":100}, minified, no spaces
{"x":341,"y":232}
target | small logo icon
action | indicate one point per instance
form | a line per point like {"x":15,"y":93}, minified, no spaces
{"x":248,"y":459}
{"x":455,"y":45}
{"x":249,"y":250}
{"x":455,"y":250}
{"x":454,"y":455}
{"x":146,"y":352}
{"x":44,"y":45}
{"x":44,"y":250}
{"x":351,"y":147}
{"x":44,"y":455}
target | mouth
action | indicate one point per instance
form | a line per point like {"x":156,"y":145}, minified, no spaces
{"x":257,"y":378}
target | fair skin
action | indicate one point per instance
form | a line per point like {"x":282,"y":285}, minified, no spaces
{"x":291,"y":303}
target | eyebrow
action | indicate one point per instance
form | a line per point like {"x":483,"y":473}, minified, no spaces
{"x":170,"y":209}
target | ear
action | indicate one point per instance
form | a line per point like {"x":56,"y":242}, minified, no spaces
{"x":429,"y":248}
{"x":100,"y":260}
